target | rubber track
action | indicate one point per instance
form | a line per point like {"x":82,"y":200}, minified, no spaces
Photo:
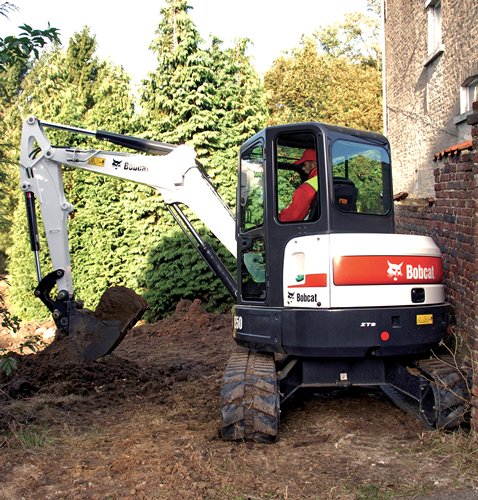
{"x":450,"y":389}
{"x":250,"y":398}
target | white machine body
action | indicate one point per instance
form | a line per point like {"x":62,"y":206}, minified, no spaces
{"x":361,"y":270}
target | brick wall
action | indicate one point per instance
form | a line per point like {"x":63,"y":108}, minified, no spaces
{"x":423,"y":96}
{"x":451,"y":219}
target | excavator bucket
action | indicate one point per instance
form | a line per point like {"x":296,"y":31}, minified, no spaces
{"x":92,"y":335}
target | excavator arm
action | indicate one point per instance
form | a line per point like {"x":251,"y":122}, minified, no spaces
{"x":171,"y":170}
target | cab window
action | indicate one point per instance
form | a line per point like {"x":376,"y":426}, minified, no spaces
{"x":297,"y":189}
{"x":361,"y":178}
{"x":252,"y":188}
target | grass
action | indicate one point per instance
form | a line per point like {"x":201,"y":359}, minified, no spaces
{"x":372,"y":492}
{"x":458,"y":448}
{"x":28,"y":436}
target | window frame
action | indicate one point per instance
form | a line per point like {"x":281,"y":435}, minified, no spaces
{"x":312,"y":138}
{"x":466,"y":100}
{"x":242,"y":219}
{"x":435,"y":45}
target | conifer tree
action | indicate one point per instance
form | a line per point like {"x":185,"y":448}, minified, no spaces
{"x":212,"y":99}
{"x":77,"y":89}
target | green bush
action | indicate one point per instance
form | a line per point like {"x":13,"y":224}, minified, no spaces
{"x":175,"y":270}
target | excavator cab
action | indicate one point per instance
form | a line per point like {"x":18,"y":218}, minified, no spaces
{"x":354,"y":194}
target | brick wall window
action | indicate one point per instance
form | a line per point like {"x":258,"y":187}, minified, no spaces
{"x":469,"y":94}
{"x":434,"y":33}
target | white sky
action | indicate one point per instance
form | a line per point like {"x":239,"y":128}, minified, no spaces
{"x":124,"y":30}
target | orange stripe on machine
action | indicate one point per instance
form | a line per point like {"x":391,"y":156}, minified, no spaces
{"x":312,"y":280}
{"x":384,"y":270}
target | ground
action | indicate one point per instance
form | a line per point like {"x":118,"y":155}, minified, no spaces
{"x":144,"y":422}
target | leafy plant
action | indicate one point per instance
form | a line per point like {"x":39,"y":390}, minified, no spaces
{"x":33,"y":343}
{"x":7,"y":364}
{"x":11,"y":323}
{"x":19,"y":47}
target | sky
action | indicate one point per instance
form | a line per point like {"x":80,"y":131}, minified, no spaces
{"x":124,"y":31}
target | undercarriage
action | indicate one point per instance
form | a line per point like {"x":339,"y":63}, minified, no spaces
{"x":255,"y":385}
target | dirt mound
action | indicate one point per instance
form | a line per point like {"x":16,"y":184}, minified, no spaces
{"x":188,"y":317}
{"x":70,"y":363}
{"x":60,"y":368}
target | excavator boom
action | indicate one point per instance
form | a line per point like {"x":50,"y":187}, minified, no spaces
{"x":171,"y":170}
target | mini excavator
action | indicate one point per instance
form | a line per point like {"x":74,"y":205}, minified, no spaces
{"x":338,"y":299}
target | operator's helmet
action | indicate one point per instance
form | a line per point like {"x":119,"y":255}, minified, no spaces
{"x":307,"y":155}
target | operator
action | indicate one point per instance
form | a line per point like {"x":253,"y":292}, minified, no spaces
{"x":304,"y":194}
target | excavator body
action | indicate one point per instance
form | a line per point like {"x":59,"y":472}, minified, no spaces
{"x":338,"y":298}
{"x":334,"y":299}
{"x":334,"y":284}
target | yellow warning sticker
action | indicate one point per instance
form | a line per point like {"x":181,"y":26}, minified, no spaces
{"x":424,"y":319}
{"x":96,"y":162}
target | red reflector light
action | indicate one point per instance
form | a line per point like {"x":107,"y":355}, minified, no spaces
{"x":385,"y":336}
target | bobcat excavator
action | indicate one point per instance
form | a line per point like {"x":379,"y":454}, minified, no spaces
{"x":335,"y":300}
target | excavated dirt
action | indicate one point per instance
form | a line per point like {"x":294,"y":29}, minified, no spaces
{"x":144,"y":422}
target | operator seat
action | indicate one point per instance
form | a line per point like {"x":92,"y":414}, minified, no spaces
{"x":345,"y":194}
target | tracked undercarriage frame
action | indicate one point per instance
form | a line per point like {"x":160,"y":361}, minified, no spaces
{"x":435,"y":390}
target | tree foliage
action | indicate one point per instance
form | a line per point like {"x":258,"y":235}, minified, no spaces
{"x":121,"y":233}
{"x":334,"y":77}
{"x":200,"y":93}
{"x":78,"y":89}
{"x":29,"y":41}
{"x":356,"y":39}
{"x":211,"y":98}
{"x":15,"y":54}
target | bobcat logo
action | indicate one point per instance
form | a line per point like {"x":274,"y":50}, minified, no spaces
{"x":290,"y":295}
{"x":117,"y":163}
{"x":394,"y":270}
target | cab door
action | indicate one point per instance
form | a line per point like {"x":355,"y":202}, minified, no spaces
{"x":297,"y":209}
{"x":251,"y":226}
